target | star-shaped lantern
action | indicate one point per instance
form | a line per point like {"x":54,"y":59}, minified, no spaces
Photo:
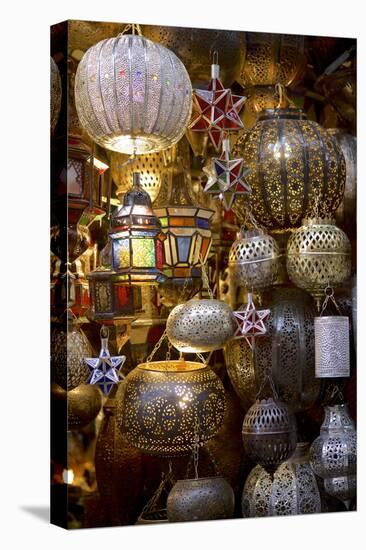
{"x":226,"y":176}
{"x":104,"y":370}
{"x":250,"y":322}
{"x":216,"y":110}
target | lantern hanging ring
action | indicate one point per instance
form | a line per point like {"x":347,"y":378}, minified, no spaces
{"x":104,"y":332}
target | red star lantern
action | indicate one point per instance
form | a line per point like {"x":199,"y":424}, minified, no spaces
{"x":216,"y":110}
{"x":226,"y":176}
{"x":250,"y":322}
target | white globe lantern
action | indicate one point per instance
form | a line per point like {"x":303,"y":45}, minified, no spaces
{"x":132,"y":95}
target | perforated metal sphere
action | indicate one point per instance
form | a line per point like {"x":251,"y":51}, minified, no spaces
{"x":132,"y":95}
{"x":344,"y":488}
{"x":200,"y":325}
{"x":148,"y":166}
{"x":56,"y":93}
{"x":68,"y":349}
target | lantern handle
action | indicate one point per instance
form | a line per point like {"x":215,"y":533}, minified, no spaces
{"x":337,"y":392}
{"x":329,"y":295}
{"x":104,"y":332}
{"x":165,"y":479}
{"x":267,"y":380}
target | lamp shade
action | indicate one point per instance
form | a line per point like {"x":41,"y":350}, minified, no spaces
{"x":132,"y":95}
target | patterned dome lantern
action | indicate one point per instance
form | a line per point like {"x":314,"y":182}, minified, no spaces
{"x":132,"y":95}
{"x":162,"y":401}
{"x":292,"y":161}
{"x":318,"y":255}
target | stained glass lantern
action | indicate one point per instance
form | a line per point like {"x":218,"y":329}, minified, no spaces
{"x":293,"y":161}
{"x":137,"y":239}
{"x":132,"y":95}
{"x":55,"y":94}
{"x":185,"y":223}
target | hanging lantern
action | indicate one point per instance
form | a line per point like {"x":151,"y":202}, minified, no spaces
{"x":332,"y":355}
{"x":201,"y":499}
{"x":343,"y":488}
{"x":161,"y":402}
{"x":333,"y":453}
{"x":293,"y":489}
{"x":68,"y":349}
{"x":132,"y":95}
{"x":79,"y":406}
{"x":318,"y":255}
{"x":200,"y":325}
{"x":137,"y":254}
{"x":286,"y":352}
{"x":56,"y":92}
{"x":291,"y":161}
{"x":259,"y":98}
{"x":195,"y":46}
{"x":269,"y":433}
{"x":186,"y":225}
{"x":272,"y":58}
{"x":254,"y":259}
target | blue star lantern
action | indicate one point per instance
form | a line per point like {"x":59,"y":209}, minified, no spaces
{"x":104,"y":370}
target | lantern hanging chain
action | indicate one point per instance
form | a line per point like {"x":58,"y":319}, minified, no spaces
{"x":283,"y":98}
{"x":133,"y":27}
{"x":157,"y":346}
{"x":165,"y":479}
{"x":329,"y":295}
{"x":336,"y":392}
{"x":213,"y":461}
{"x":202,"y":358}
{"x":196,"y":447}
{"x":205,"y":279}
{"x":168,"y":353}
{"x":267,"y":380}
{"x":184,"y":287}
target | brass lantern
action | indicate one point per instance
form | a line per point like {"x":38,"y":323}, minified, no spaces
{"x":292,"y":161}
{"x":318,"y":254}
{"x":162,"y":401}
{"x":186,"y":225}
{"x":137,"y":239}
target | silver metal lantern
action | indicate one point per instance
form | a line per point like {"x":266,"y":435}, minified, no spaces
{"x":332,"y":349}
{"x":132,"y":95}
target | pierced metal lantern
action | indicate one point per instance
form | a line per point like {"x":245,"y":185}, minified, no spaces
{"x":254,"y":259}
{"x":68,"y":349}
{"x":333,"y":453}
{"x":292,"y":160}
{"x":343,"y":488}
{"x":56,"y":92}
{"x":137,"y":254}
{"x":200,"y":325}
{"x":201,"y":499}
{"x":332,"y":349}
{"x":186,"y":225}
{"x":132,"y":95}
{"x":258,"y":99}
{"x":82,"y":405}
{"x":286,"y":352}
{"x":272,"y":58}
{"x":318,"y":254}
{"x":161,"y":402}
{"x":269,"y":433}
{"x":292,"y":490}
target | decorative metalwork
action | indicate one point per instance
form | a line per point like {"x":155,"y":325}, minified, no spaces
{"x":286,"y":352}
{"x":200,"y":499}
{"x":292,"y":490}
{"x":292,"y":160}
{"x":272,"y":58}
{"x":162,"y":400}
{"x":56,"y":93}
{"x":137,"y":254}
{"x":254,"y":259}
{"x":269,"y":433}
{"x":332,"y":353}
{"x":343,"y":488}
{"x":200,"y":325}
{"x":318,"y":254}
{"x":83,"y":405}
{"x":258,"y":99}
{"x":105,"y":370}
{"x":250,"y":322}
{"x":68,"y":349}
{"x":195,"y":48}
{"x":132,"y":95}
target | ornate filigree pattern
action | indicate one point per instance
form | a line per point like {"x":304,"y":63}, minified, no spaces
{"x":67,"y":359}
{"x":200,"y":499}
{"x":292,"y":160}
{"x":55,"y":94}
{"x":162,"y":401}
{"x":332,"y":351}
{"x":148,"y":166}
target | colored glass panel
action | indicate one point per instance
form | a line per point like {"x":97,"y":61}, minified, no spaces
{"x":204,"y":224}
{"x":183,"y":248}
{"x":121,"y":253}
{"x":143,"y":252}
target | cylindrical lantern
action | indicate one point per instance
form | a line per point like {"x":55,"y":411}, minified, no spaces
{"x":272,"y":58}
{"x":200,"y":325}
{"x":162,"y":401}
{"x":269,"y":433}
{"x":55,"y":94}
{"x":132,"y":95}
{"x":285,"y":352}
{"x":200,"y":499}
{"x":333,"y":453}
{"x":291,"y":161}
{"x":137,"y":254}
{"x":318,"y":254}
{"x":292,"y":490}
{"x":254,"y":259}
{"x":332,"y":355}
{"x":68,"y":349}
